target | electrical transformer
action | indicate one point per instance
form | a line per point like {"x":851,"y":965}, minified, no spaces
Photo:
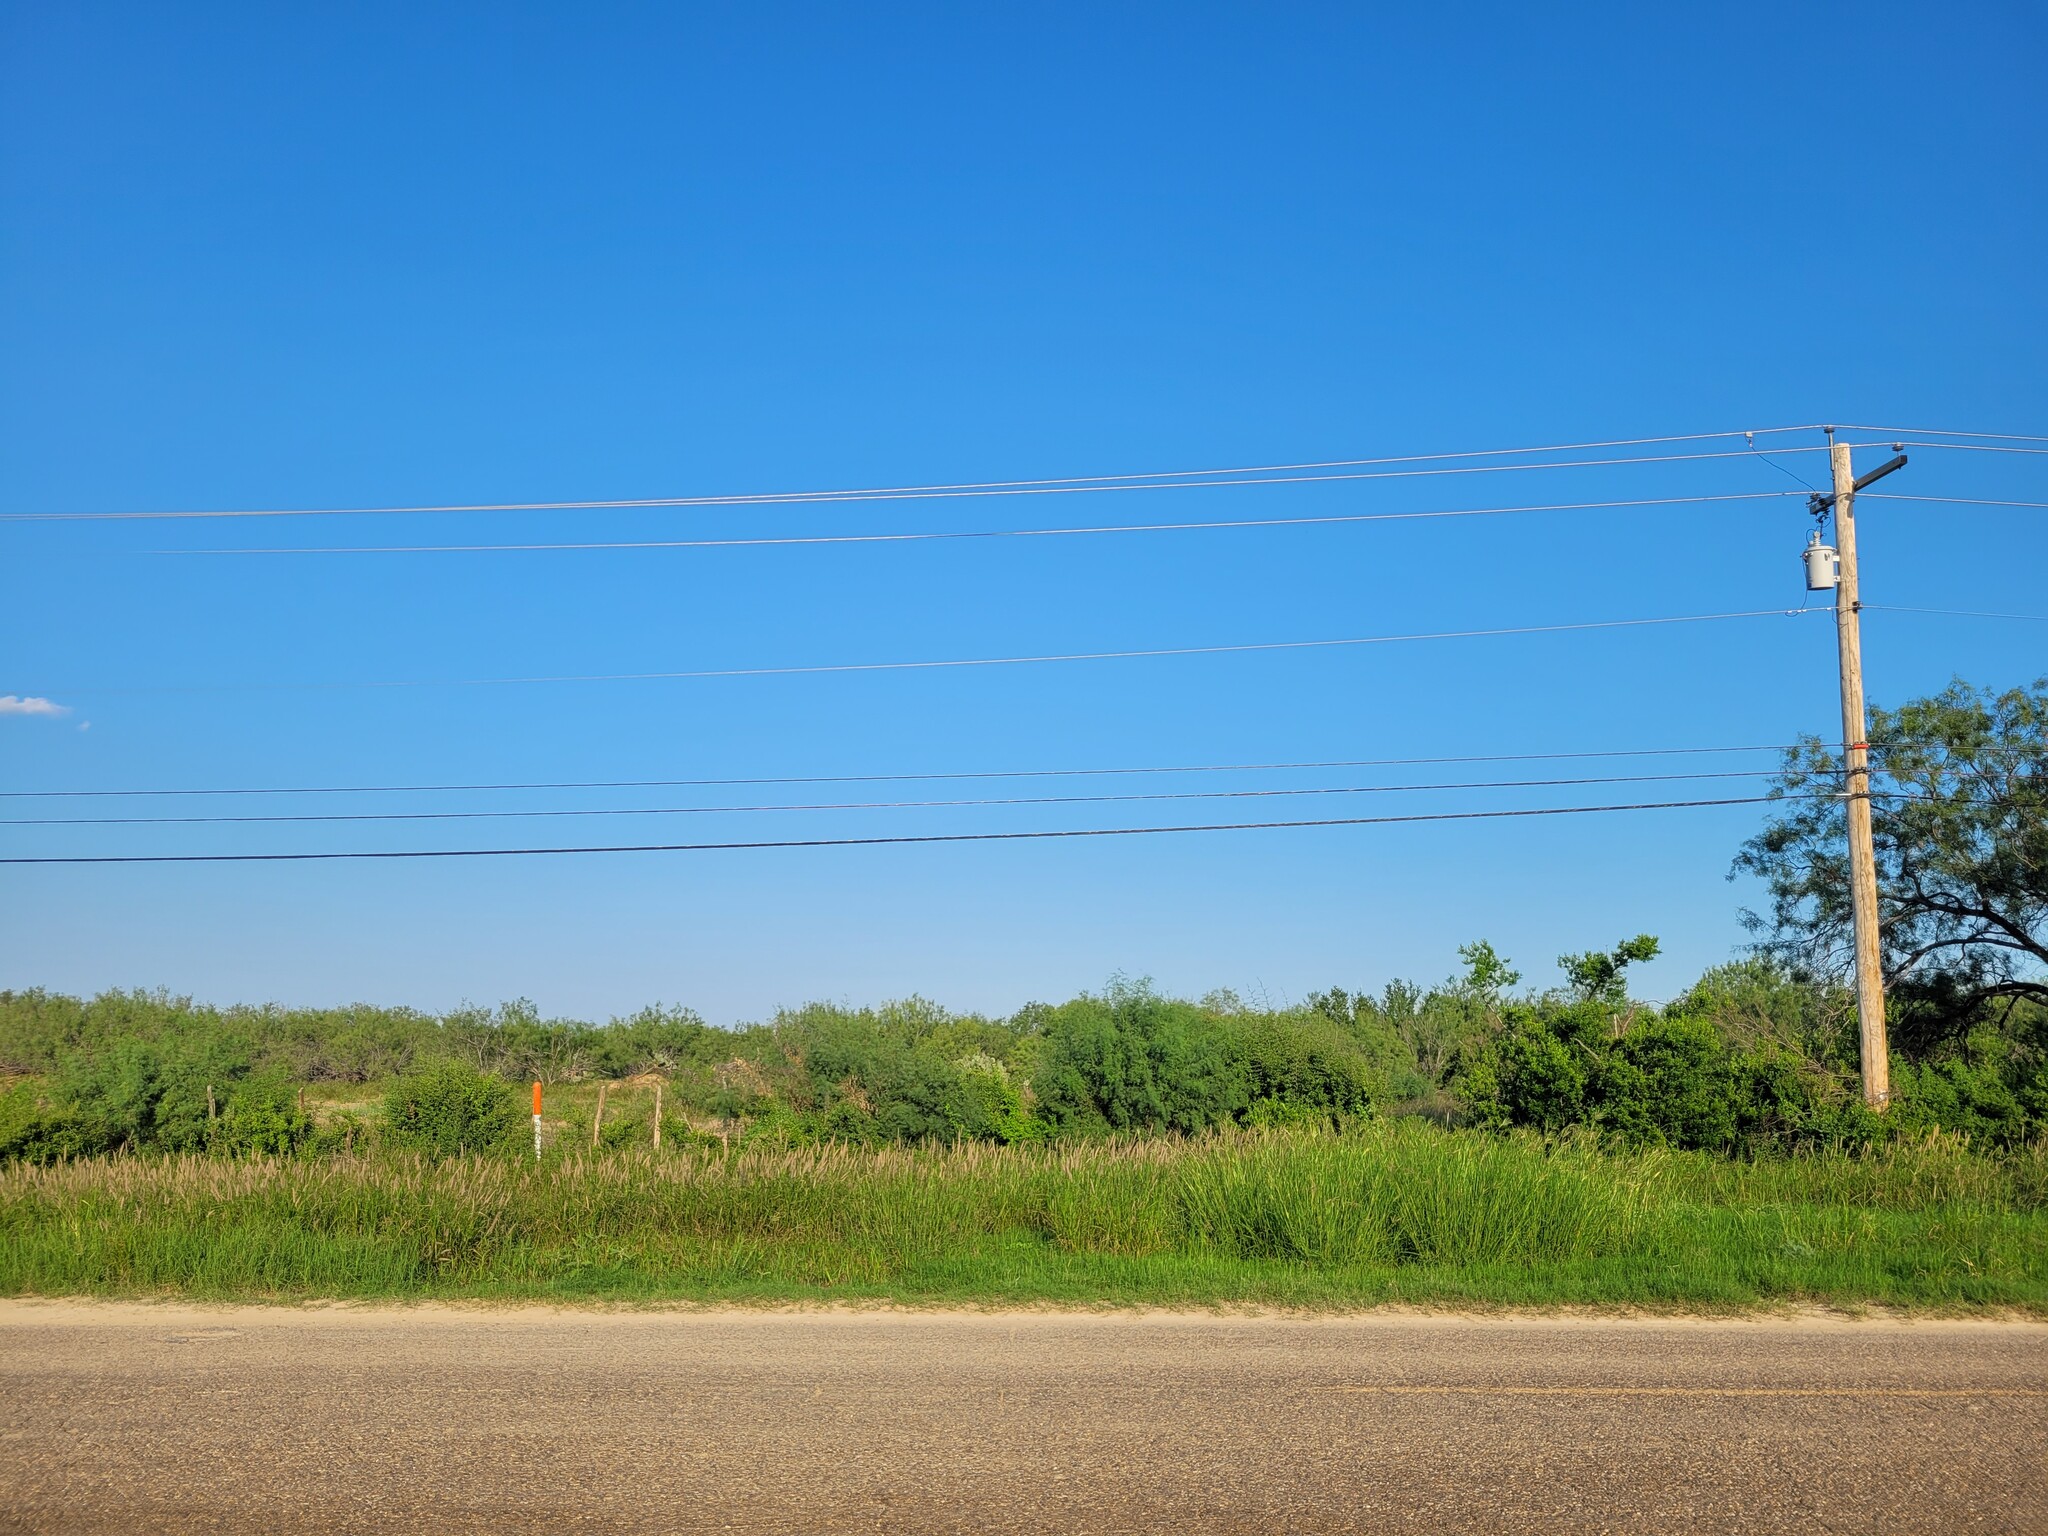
{"x":1823,"y":565}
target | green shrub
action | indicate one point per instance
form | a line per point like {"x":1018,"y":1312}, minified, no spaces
{"x":992,"y":1105}
{"x":447,"y":1109}
{"x":261,"y":1116}
{"x":1132,"y":1060}
{"x":1957,"y":1094}
{"x":1670,"y":1080}
{"x":35,"y":1130}
{"x":342,"y":1132}
{"x":1677,"y":1079}
{"x":1534,"y":1073}
{"x":868,"y":1077}
{"x":159,"y":1095}
{"x":1313,"y":1067}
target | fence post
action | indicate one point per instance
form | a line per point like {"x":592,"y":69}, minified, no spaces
{"x":597,"y":1120}
{"x":657,"y":1116}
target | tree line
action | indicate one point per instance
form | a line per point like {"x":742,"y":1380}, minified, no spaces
{"x":1751,"y":1058}
{"x":1756,"y":1055}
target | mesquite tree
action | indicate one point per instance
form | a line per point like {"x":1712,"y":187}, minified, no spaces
{"x":1959,"y":788}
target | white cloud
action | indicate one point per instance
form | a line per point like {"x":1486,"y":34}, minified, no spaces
{"x":10,"y":705}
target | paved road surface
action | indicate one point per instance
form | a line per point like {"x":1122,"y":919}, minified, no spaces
{"x":139,"y":1419}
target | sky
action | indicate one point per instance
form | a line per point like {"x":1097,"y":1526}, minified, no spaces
{"x":273,"y":258}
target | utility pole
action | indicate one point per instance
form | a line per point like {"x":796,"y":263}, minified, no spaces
{"x":1874,"y":1050}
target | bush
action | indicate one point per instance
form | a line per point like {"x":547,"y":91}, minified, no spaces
{"x":342,"y":1132}
{"x":448,"y":1109}
{"x":1307,"y":1068}
{"x":1958,"y":1095}
{"x":35,"y":1130}
{"x":162,"y":1095}
{"x":1663,"y":1079}
{"x":1677,"y":1079}
{"x":1670,"y":1080}
{"x":261,"y":1116}
{"x":1135,"y":1061}
{"x":1132,"y":1060}
{"x":1534,"y":1073}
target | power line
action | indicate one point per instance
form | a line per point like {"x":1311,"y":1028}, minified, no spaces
{"x":989,"y":533}
{"x":982,"y":485}
{"x":870,"y":842}
{"x":2011,"y":437}
{"x":1958,"y":613}
{"x":1041,"y":533}
{"x":1163,"y":482}
{"x":877,"y":805}
{"x":1953,"y":447}
{"x":890,"y":778}
{"x":1953,"y":501}
{"x":1781,"y":469}
{"x":976,"y":661}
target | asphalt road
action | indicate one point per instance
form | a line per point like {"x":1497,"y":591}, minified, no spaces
{"x":148,"y":1419}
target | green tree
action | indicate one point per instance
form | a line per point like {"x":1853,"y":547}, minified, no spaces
{"x":1488,"y":976}
{"x":1600,"y":976}
{"x":1959,"y":791}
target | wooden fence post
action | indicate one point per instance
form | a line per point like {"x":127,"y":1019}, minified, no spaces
{"x":657,"y":1117}
{"x":597,"y":1120}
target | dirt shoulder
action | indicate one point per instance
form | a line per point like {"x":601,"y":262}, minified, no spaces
{"x":62,"y":1312}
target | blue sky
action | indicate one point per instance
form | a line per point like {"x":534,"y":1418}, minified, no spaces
{"x":264,"y":257}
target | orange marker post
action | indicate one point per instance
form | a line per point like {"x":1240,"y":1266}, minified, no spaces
{"x":536,"y":1120}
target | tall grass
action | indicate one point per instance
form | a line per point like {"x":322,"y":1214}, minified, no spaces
{"x":1387,"y":1212}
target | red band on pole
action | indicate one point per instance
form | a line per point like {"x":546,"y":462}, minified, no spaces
{"x":536,"y":1100}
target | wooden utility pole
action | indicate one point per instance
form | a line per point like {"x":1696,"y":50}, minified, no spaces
{"x":1873,"y":1049}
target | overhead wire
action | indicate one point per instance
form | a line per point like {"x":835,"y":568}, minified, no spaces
{"x":879,"y":805}
{"x":1150,"y":480}
{"x":328,"y":855}
{"x":1953,"y":501}
{"x":878,"y":841}
{"x":1959,"y":447}
{"x":894,"y":778}
{"x":974,"y":661}
{"x":1781,"y":469}
{"x":978,"y":533}
{"x":1194,"y":525}
{"x":2011,"y":437}
{"x":1162,"y":481}
{"x":1955,"y":613}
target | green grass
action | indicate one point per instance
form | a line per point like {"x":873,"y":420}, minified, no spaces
{"x":1396,"y":1212}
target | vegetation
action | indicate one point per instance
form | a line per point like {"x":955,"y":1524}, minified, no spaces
{"x":1752,"y":1059}
{"x":1385,"y":1211}
{"x":448,"y":1109}
{"x":1959,"y":786}
{"x":1120,"y":1147}
{"x":1471,"y":1139}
